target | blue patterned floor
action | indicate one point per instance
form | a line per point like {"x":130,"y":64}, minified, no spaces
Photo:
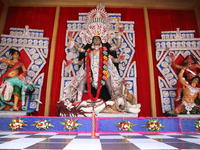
{"x":123,"y":141}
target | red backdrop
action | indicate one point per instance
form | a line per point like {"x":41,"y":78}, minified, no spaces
{"x":168,"y":20}
{"x":37,"y":18}
{"x":1,"y":7}
{"x":128,"y":14}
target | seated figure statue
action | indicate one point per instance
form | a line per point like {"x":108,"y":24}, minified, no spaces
{"x":190,"y":93}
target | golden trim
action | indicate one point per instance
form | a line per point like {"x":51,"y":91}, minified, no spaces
{"x":51,"y":62}
{"x":150,"y":63}
{"x":3,"y":19}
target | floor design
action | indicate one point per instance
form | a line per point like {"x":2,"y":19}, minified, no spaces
{"x":123,"y":141}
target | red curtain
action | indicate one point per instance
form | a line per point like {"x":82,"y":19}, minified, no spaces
{"x":36,"y":18}
{"x":168,"y":20}
{"x":128,"y":14}
{"x":1,"y":7}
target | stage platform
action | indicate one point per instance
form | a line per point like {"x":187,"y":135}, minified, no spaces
{"x":105,"y":125}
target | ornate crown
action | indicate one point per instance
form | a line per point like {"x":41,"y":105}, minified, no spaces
{"x":97,"y":24}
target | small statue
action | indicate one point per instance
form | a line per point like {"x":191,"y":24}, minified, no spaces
{"x":14,"y":69}
{"x":192,"y":70}
{"x":190,"y":93}
{"x":6,"y":91}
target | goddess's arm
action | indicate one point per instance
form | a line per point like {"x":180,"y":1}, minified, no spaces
{"x":114,"y":60}
{"x":75,"y":45}
{"x":79,"y":49}
{"x":76,"y":61}
{"x":118,"y":44}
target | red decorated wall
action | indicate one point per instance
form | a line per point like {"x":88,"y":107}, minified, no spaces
{"x":160,"y":20}
{"x":36,"y":18}
{"x":168,"y":20}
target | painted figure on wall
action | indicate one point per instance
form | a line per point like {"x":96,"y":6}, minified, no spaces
{"x":192,"y":70}
{"x":190,"y":93}
{"x":14,"y":69}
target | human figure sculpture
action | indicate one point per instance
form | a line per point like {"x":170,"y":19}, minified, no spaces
{"x":190,"y":93}
{"x":98,"y":68}
{"x":7,"y":88}
{"x":116,"y":105}
{"x":14,"y":69}
{"x":192,"y":70}
{"x":96,"y":63}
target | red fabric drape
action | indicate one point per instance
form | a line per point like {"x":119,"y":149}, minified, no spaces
{"x":168,"y":20}
{"x":128,"y":14}
{"x":1,"y":7}
{"x":36,"y":18}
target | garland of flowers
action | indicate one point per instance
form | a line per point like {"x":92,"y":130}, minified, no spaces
{"x":42,"y":124}
{"x":197,"y":125}
{"x":70,"y":124}
{"x":88,"y":75}
{"x":153,"y":125}
{"x":125,"y":125}
{"x":105,"y":72}
{"x":17,"y":124}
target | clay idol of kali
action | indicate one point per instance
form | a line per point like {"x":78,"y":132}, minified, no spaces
{"x":98,"y":70}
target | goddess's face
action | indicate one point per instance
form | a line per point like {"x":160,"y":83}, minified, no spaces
{"x":96,"y":40}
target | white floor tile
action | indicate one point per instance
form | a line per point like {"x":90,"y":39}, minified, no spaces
{"x":46,"y":133}
{"x":5,"y":133}
{"x":171,"y":133}
{"x":159,"y":136}
{"x":87,"y":134}
{"x":87,"y":144}
{"x":191,"y":140}
{"x":85,"y":141}
{"x":15,"y":136}
{"x":127,"y":134}
{"x":111,"y":137}
{"x":150,"y":144}
{"x":20,"y":143}
{"x":63,"y":137}
{"x":196,"y":136}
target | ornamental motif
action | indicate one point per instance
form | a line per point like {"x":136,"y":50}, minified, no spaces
{"x":197,"y":125}
{"x":70,"y":124}
{"x":17,"y":124}
{"x":125,"y":126}
{"x":42,"y":124}
{"x":153,"y":125}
